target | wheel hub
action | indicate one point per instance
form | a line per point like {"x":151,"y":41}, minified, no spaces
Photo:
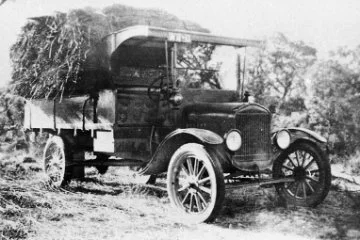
{"x":193,"y":183}
{"x":299,"y":173}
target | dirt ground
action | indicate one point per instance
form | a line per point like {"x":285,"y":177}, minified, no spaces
{"x":117,"y":206}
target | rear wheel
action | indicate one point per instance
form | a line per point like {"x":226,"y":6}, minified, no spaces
{"x":55,"y":159}
{"x":195,"y":183}
{"x":311,"y":172}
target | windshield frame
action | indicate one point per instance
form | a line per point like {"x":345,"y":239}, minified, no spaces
{"x":175,"y":69}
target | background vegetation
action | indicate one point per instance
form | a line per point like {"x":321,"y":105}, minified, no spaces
{"x":320,"y":94}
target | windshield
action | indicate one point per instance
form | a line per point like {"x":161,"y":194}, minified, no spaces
{"x":208,"y":66}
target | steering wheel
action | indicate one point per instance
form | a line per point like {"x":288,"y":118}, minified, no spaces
{"x":151,"y":91}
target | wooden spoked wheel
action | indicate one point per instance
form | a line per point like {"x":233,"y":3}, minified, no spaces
{"x":195,"y":183}
{"x":54,"y":161}
{"x":311,"y":173}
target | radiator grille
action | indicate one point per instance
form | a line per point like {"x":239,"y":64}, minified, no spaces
{"x":255,"y":132}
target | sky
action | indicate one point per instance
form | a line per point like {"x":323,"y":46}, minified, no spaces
{"x":323,"y":24}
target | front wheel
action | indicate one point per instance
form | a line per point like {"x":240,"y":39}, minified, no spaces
{"x":309,"y":169}
{"x":195,"y":183}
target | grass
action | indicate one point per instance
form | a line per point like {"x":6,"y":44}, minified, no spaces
{"x":117,"y":206}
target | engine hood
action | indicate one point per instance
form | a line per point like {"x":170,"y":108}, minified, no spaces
{"x":223,"y":108}
{"x":204,"y":108}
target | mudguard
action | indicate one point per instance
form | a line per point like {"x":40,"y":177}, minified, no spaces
{"x":303,"y":133}
{"x":160,"y":160}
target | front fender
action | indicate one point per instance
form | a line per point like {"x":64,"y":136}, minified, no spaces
{"x":160,"y":160}
{"x":302,"y":134}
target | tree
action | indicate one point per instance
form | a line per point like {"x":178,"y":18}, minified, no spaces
{"x":336,"y":98}
{"x":278,"y":75}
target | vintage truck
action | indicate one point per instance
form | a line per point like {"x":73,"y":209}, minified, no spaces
{"x":174,"y":102}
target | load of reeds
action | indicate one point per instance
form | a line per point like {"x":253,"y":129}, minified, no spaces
{"x":49,"y":55}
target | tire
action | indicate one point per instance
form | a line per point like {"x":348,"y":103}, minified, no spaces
{"x":195,"y":183}
{"x":311,"y":170}
{"x":55,"y":159}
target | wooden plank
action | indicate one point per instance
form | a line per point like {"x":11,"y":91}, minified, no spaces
{"x":71,"y":113}
{"x":41,"y":114}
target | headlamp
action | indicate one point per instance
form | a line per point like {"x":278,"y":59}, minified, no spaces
{"x":233,"y":140}
{"x":283,"y":139}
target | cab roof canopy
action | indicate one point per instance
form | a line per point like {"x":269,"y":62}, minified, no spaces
{"x":143,"y":45}
{"x":156,"y":34}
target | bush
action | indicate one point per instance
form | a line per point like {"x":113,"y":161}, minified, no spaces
{"x":353,"y":163}
{"x":11,"y":118}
